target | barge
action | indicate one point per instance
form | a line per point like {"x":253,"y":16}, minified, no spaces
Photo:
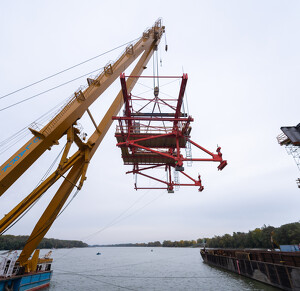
{"x":276,"y":268}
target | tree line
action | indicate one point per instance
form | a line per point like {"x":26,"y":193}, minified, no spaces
{"x":12,"y":242}
{"x":287,"y":234}
{"x":166,"y":243}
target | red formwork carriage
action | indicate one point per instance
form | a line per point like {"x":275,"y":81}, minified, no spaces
{"x":153,"y":132}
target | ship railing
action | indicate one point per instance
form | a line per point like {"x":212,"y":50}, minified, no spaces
{"x":144,"y":129}
{"x":283,"y":139}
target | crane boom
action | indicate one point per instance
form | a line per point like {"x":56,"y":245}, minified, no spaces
{"x":49,"y":135}
{"x":62,"y":124}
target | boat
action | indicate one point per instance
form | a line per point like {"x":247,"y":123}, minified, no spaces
{"x":276,"y":268}
{"x":14,"y":277}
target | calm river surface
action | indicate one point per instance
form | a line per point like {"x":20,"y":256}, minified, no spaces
{"x":141,"y":269}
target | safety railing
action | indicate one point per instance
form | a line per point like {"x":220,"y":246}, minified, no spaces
{"x":143,"y":129}
{"x":283,"y":139}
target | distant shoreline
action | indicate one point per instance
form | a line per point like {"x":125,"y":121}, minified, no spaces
{"x":17,"y":242}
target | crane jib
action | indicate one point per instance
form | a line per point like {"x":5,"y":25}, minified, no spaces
{"x":75,"y":166}
{"x":19,"y":155}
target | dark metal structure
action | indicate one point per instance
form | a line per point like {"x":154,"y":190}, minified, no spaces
{"x":276,"y":268}
{"x":290,"y":138}
{"x":292,"y":134}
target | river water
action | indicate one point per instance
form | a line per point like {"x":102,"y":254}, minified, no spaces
{"x":139,"y":268}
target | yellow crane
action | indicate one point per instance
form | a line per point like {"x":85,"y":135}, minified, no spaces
{"x":63,"y":124}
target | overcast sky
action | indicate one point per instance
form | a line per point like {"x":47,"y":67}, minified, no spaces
{"x":243,"y":63}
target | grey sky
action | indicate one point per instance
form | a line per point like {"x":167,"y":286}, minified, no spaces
{"x":242,"y":58}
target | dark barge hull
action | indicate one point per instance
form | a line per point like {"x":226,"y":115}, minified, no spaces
{"x":279,"y":269}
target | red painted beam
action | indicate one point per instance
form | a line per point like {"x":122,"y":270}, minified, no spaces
{"x":162,"y":77}
{"x":153,"y":188}
{"x":152,"y":119}
{"x":143,"y":169}
{"x":125,"y":95}
{"x":126,"y":98}
{"x":150,"y":177}
{"x":180,"y":97}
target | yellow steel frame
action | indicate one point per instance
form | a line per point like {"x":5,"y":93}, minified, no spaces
{"x":61,"y":124}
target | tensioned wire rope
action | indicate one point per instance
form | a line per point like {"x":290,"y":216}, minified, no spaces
{"x":60,"y":72}
{"x":151,"y":89}
{"x":115,"y":221}
{"x":22,"y":133}
{"x":101,"y":230}
{"x":98,"y":280}
{"x":41,"y":180}
{"x":70,"y":68}
{"x":133,"y":277}
{"x":48,"y":90}
{"x":120,"y":218}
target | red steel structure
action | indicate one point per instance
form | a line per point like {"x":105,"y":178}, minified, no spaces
{"x":152,"y":133}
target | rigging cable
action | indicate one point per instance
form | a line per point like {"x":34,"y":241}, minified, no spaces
{"x":108,"y":283}
{"x":118,"y":219}
{"x":45,"y":227}
{"x":185,"y":99}
{"x":168,"y":259}
{"x":60,"y":85}
{"x":65,"y":70}
{"x":41,"y":180}
{"x":22,"y":133}
{"x":49,"y":223}
{"x":151,"y":89}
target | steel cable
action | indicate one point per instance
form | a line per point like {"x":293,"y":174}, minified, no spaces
{"x":65,"y":70}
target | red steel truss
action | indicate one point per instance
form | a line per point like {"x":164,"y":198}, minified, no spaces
{"x":152,"y":133}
